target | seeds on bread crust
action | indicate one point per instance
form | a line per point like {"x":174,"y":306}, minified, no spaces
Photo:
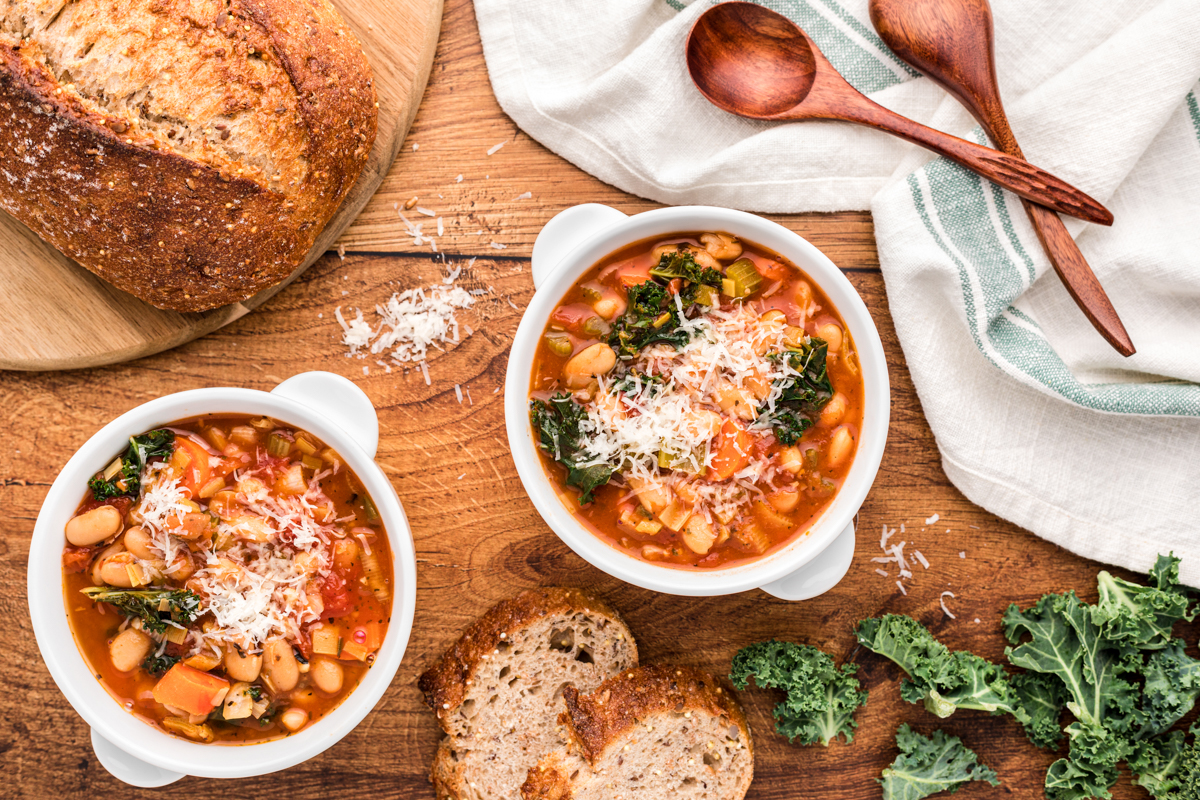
{"x":187,"y":162}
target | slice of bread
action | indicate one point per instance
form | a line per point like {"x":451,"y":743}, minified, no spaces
{"x":498,"y":690}
{"x":653,"y":732}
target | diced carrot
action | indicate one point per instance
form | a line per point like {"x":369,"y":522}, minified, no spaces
{"x":354,"y":650}
{"x":374,"y":633}
{"x":633,"y":275}
{"x":196,"y":473}
{"x":190,"y":689}
{"x":733,"y":451}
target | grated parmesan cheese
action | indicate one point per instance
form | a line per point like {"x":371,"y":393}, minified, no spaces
{"x":942,"y":601}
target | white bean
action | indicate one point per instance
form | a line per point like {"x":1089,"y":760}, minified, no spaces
{"x":833,"y":335}
{"x":242,"y":666}
{"x":113,"y":570}
{"x":326,"y":674}
{"x":834,"y":410}
{"x":588,"y":363}
{"x":138,"y":542}
{"x":280,"y":665}
{"x":840,"y":446}
{"x":128,"y":649}
{"x":93,"y":527}
{"x":294,"y":719}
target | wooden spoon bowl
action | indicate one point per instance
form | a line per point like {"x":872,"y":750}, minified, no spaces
{"x":753,"y":62}
{"x":774,"y":73}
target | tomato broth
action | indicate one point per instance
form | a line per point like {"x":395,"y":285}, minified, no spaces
{"x":228,"y":579}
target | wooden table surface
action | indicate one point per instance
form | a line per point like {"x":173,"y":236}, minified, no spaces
{"x":478,"y":538}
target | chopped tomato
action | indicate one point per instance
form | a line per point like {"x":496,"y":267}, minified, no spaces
{"x":190,"y":690}
{"x":674,"y":285}
{"x":571,"y":317}
{"x":732,"y":451}
{"x":197,"y":471}
{"x":336,"y":594}
{"x":76,"y":559}
{"x":121,"y":503}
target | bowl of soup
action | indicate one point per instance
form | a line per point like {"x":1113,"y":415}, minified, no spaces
{"x":222,"y":581}
{"x":697,"y":400}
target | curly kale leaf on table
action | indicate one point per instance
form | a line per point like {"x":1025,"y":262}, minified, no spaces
{"x":930,"y":764}
{"x":945,"y":680}
{"x":1126,"y":680}
{"x":1142,"y":616}
{"x":821,"y":698}
{"x":1167,"y":767}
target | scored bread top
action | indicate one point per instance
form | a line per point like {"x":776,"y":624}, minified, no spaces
{"x":188,"y":151}
{"x":445,"y":684}
{"x":596,"y":720}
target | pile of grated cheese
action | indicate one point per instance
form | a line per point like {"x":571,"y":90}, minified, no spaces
{"x":256,"y":589}
{"x":410,"y":322}
{"x":630,"y":420}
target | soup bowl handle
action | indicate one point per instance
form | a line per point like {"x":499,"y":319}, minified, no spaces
{"x":130,"y":769}
{"x":340,"y":400}
{"x":566,"y":231}
{"x":819,"y":575}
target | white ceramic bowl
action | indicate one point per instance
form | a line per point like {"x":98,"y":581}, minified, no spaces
{"x":810,"y":564}
{"x":337,"y":412}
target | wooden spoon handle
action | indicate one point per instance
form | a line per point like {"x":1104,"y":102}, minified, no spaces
{"x":1077,"y":275}
{"x":1015,"y":174}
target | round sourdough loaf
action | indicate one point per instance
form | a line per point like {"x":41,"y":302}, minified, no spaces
{"x":187,"y":151}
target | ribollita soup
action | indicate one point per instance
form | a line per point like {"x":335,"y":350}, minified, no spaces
{"x":697,"y":400}
{"x":227,"y":578}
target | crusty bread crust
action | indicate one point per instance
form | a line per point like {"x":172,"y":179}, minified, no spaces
{"x":639,"y":707}
{"x":596,"y":720}
{"x":548,"y":780}
{"x":445,"y":683}
{"x":109,"y":188}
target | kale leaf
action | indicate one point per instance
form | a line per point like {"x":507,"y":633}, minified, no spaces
{"x":141,"y":450}
{"x":652,"y":317}
{"x":802,"y":396}
{"x":180,"y":605}
{"x":557,"y":423}
{"x":682,"y":264}
{"x":821,"y":698}
{"x":1043,"y":697}
{"x":931,"y":764}
{"x":945,"y":680}
{"x":1142,"y":615}
{"x":158,"y":665}
{"x":1168,"y":768}
{"x":1171,"y":688}
{"x":1064,"y":641}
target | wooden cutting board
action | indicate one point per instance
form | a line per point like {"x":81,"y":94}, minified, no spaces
{"x":57,"y":315}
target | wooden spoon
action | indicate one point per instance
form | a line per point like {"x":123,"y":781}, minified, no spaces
{"x":754,"y":62}
{"x":951,"y":42}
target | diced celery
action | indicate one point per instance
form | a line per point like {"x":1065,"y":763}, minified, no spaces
{"x":706,"y":295}
{"x":559,"y":344}
{"x":746,"y":277}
